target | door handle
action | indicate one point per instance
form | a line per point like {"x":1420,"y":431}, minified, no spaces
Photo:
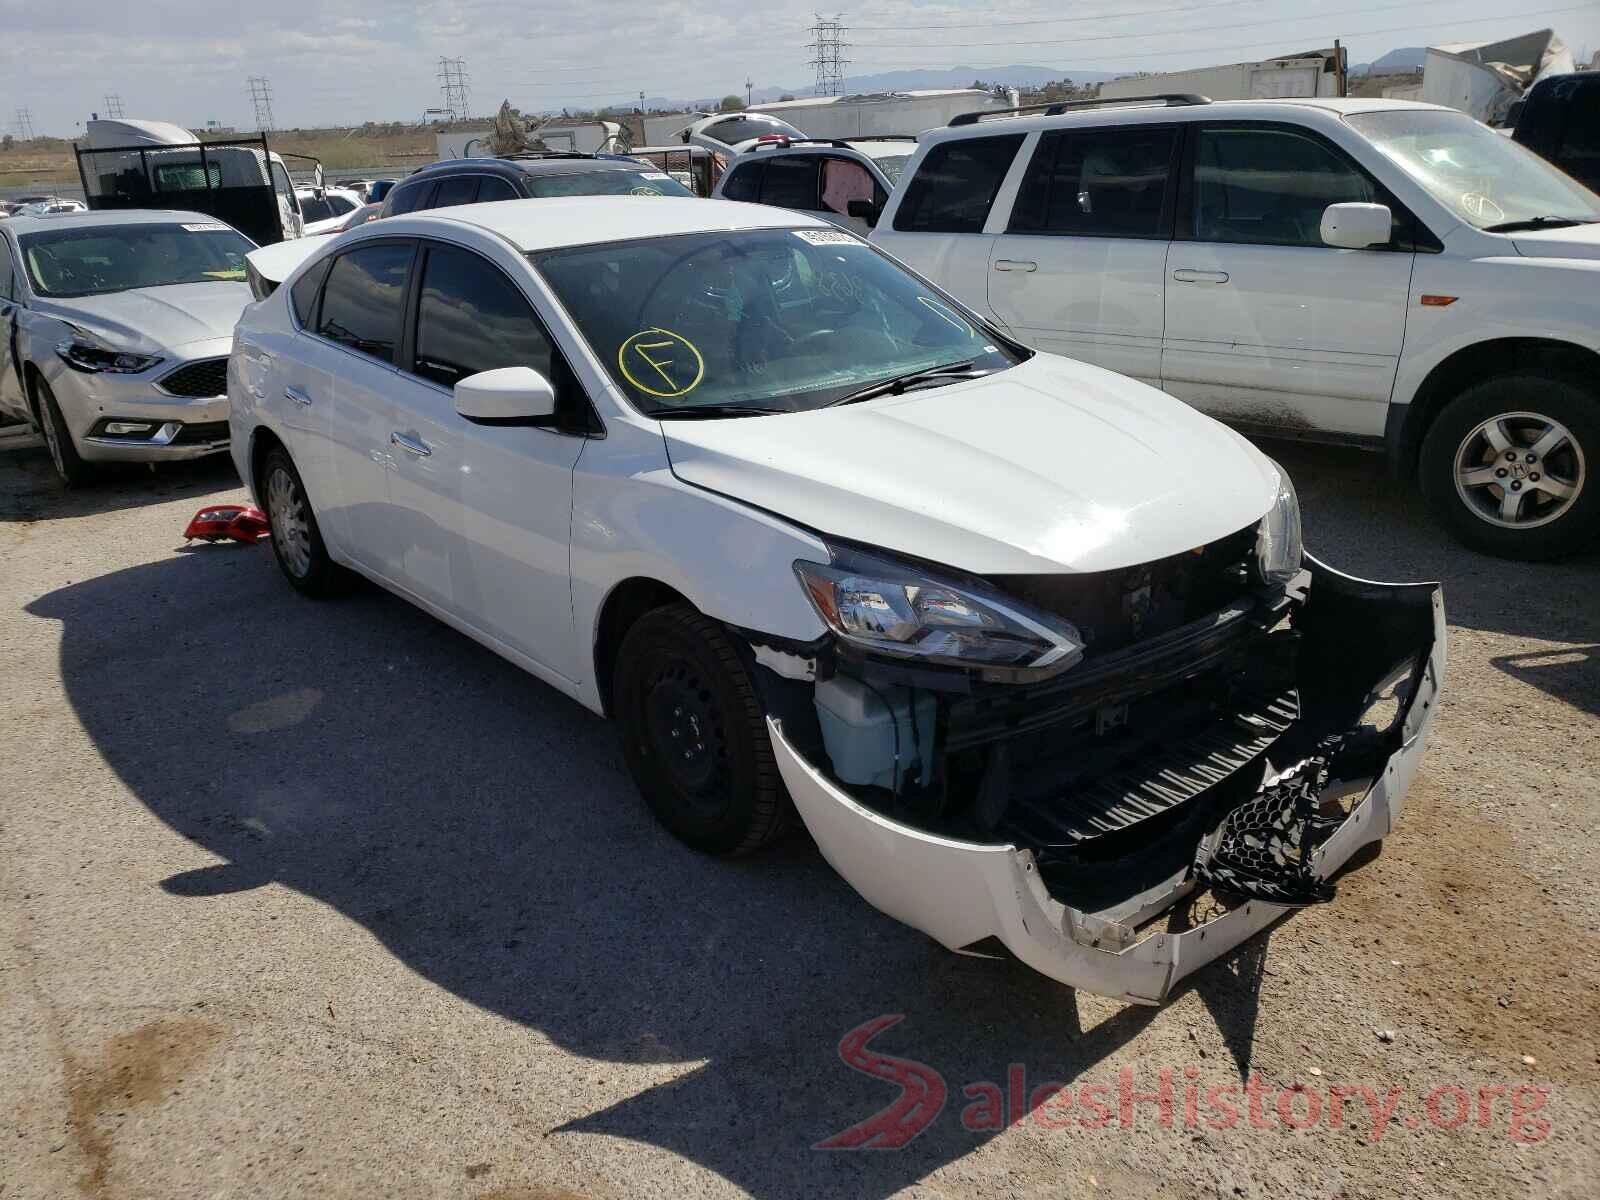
{"x":1185,"y":275}
{"x":1014,"y":264}
{"x":298,"y":395}
{"x":412,"y":445}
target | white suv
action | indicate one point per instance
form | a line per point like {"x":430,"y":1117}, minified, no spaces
{"x":845,"y":181}
{"x":1380,"y":273}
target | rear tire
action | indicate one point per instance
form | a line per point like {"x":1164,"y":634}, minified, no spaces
{"x":296,"y":538}
{"x":70,"y":467}
{"x":1509,"y":466}
{"x":694,"y":734}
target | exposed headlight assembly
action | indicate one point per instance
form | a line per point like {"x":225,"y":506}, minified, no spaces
{"x":82,"y":352}
{"x":899,"y":610}
{"x":1279,"y":547}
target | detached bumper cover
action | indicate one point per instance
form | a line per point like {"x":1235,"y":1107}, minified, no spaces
{"x":960,"y":893}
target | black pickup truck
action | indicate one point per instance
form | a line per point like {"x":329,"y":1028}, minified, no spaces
{"x":1559,"y":119}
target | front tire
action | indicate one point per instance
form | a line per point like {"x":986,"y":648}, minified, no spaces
{"x":694,"y":734}
{"x":296,"y":538}
{"x":70,"y":467}
{"x":1509,"y":466}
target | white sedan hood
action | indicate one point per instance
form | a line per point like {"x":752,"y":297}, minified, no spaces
{"x":1050,"y":466}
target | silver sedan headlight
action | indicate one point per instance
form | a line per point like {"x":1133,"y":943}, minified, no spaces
{"x":1279,"y":547}
{"x":898,"y":609}
{"x":84,"y":351}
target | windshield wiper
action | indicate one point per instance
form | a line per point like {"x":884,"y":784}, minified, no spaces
{"x":701,"y":412}
{"x":894,"y":385}
{"x":1538,"y":223}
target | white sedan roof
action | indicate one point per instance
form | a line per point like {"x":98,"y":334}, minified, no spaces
{"x":20,"y":224}
{"x":582,"y":220}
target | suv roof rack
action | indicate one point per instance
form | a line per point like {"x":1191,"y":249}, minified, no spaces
{"x":1054,"y":108}
{"x":782,"y":141}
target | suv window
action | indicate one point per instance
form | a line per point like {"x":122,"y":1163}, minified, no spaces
{"x":303,"y":295}
{"x":844,"y":180}
{"x":457,"y":189}
{"x":956,"y":184}
{"x":1268,"y":187}
{"x":471,"y":318}
{"x":492,"y":187}
{"x":409,"y":197}
{"x":1098,"y":182}
{"x":744,"y":183}
{"x":1577,"y":106}
{"x":361,"y":303}
{"x":791,"y":182}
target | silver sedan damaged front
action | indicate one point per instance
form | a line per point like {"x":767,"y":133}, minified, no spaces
{"x":1127,"y":822}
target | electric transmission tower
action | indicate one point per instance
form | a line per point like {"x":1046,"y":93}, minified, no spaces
{"x":261,"y":99}
{"x":24,"y":125}
{"x":453,"y":87}
{"x":827,"y":46}
{"x":114,"y":106}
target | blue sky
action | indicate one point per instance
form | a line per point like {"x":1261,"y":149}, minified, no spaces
{"x":344,"y":61}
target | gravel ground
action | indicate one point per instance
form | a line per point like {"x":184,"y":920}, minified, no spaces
{"x":324,"y":899}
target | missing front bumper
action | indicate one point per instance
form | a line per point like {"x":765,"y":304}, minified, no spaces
{"x":963,"y":892}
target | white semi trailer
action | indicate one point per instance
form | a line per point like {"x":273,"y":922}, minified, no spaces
{"x":1314,"y":73}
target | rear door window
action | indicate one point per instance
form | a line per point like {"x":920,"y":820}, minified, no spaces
{"x":458,"y":189}
{"x":1098,"y":182}
{"x":361,"y":303}
{"x":956,"y":184}
{"x":791,"y":182}
{"x":303,"y":295}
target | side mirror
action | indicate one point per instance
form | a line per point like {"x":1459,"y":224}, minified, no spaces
{"x":505,"y":394}
{"x":863,"y":210}
{"x":1356,"y":226}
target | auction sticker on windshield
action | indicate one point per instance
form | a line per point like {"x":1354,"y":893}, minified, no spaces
{"x":825,"y":237}
{"x":661,"y":363}
{"x":205,"y":227}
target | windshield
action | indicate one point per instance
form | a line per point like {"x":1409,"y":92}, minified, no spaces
{"x":117,"y":258}
{"x":785,"y":319}
{"x":643,"y":182}
{"x":1482,"y":177}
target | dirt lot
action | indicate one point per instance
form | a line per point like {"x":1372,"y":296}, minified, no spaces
{"x":323,"y":899}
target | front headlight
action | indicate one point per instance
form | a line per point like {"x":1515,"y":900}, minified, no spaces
{"x":897,"y":609}
{"x":83,"y":352}
{"x":1279,"y":547}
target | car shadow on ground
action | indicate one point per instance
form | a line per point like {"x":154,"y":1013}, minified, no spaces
{"x":484,"y":829}
{"x":30,"y":491}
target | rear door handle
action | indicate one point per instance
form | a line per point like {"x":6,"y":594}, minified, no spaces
{"x":298,"y":395}
{"x":1014,"y":264}
{"x":412,"y":445}
{"x":1185,"y":275}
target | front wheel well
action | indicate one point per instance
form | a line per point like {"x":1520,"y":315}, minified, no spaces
{"x":1473,"y":364}
{"x":625,"y":604}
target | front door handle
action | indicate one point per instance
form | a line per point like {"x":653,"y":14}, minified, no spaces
{"x":1014,"y":264}
{"x":411,"y":445}
{"x":1185,"y":275}
{"x":298,"y":395}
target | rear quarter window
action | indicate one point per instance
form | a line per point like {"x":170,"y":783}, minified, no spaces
{"x":956,"y":184}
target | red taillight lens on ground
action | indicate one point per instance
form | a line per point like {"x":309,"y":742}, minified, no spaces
{"x":228,"y":521}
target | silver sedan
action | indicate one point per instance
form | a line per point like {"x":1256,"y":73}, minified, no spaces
{"x":115,"y":329}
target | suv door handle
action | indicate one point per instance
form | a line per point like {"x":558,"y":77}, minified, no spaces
{"x":1014,"y":264}
{"x":298,"y":395}
{"x":1185,"y":275}
{"x":412,"y":445}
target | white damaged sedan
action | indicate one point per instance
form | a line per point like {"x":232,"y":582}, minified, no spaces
{"x":1030,"y":648}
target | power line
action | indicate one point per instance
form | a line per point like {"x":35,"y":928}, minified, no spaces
{"x":1192,"y":51}
{"x":261,"y":100}
{"x":1072,"y":20}
{"x":827,"y":43}
{"x":113,"y":106}
{"x":453,"y":87}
